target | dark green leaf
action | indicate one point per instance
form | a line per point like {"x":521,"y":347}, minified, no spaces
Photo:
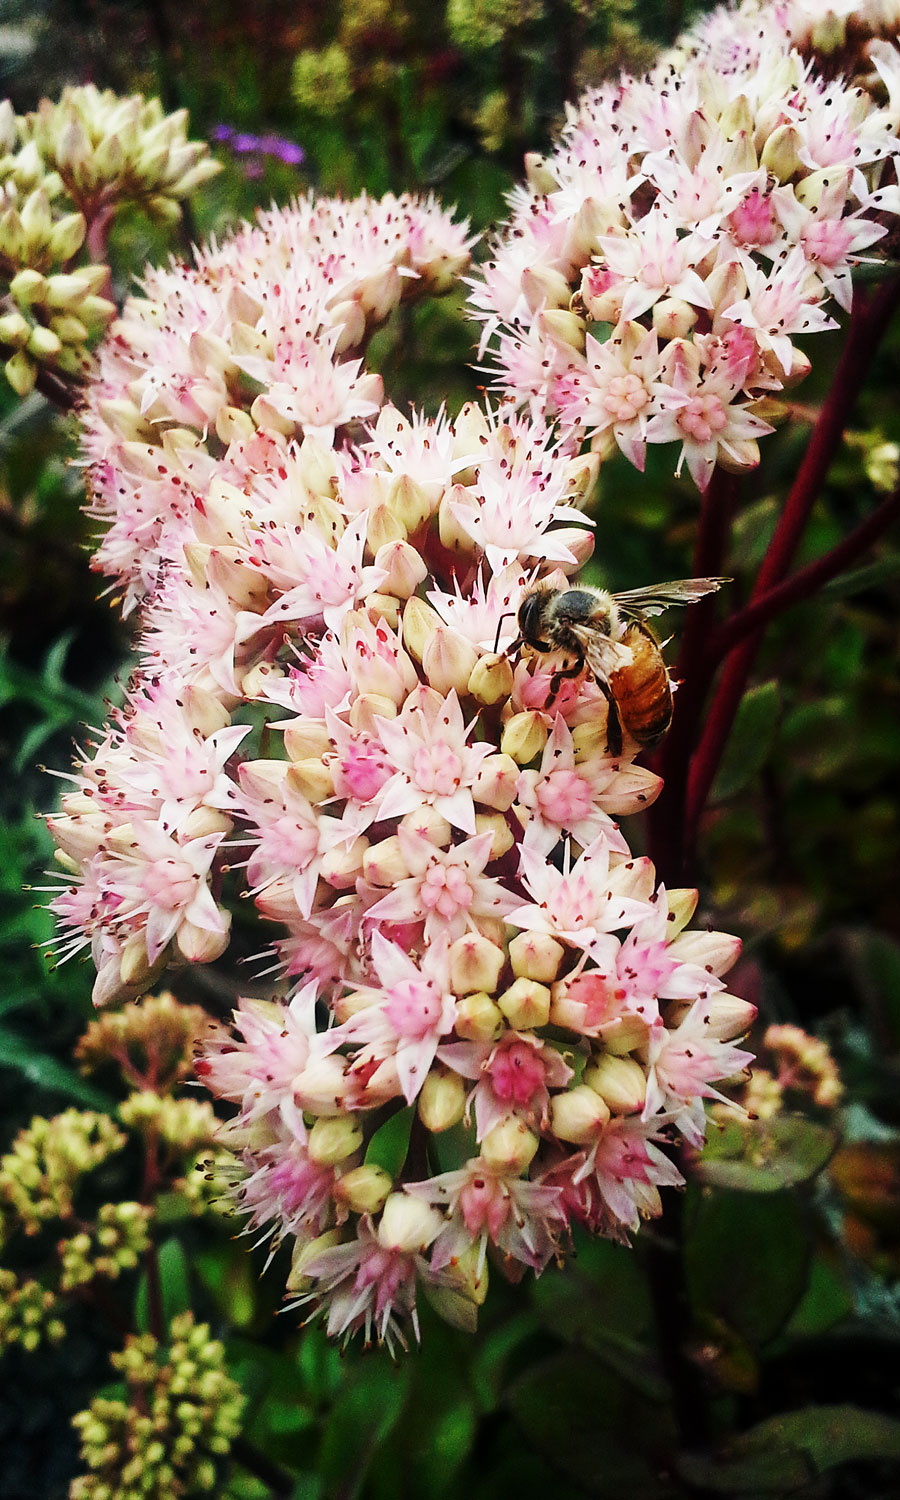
{"x":766,"y":1156}
{"x":750,"y":740}
{"x":786,"y":1452}
{"x":390,"y":1143}
{"x":746,"y":1260}
{"x":361,"y":1421}
{"x":48,"y":1073}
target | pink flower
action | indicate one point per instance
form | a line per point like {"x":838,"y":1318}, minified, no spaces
{"x":513,"y":1077}
{"x":522,"y":1219}
{"x":437,"y":767}
{"x":447,"y":890}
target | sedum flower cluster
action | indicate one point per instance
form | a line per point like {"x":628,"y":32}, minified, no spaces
{"x":689,"y":228}
{"x":63,"y":169}
{"x":168,"y":1437}
{"x":489,"y":1018}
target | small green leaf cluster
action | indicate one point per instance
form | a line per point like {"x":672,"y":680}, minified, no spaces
{"x":166,"y":1437}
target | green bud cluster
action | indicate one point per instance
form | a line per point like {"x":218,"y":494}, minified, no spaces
{"x":40,"y":1174}
{"x":184,"y":1125}
{"x":152,"y":1040}
{"x":28,"y":1313}
{"x":167,"y":1438}
{"x":322,"y":81}
{"x":204,"y":1186}
{"x":113,"y":1245}
{"x":476,"y":25}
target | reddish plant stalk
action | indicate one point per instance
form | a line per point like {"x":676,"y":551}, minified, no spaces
{"x":868,"y":323}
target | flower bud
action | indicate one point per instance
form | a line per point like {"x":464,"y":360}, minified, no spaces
{"x":15,"y":330}
{"x":579,"y":1115}
{"x":364,"y":1189}
{"x":333,"y":1139}
{"x":728,"y":1016}
{"x":563,"y":327}
{"x":524,"y":737}
{"x":673,"y":318}
{"x":411,"y":503}
{"x":407,"y":1224}
{"x":28,"y":287}
{"x":536,"y":955}
{"x":383,"y":527}
{"x":491,"y":678}
{"x":383,"y":607}
{"x":714,"y":951}
{"x":427,"y":823}
{"x":419,"y":623}
{"x":682,"y":904}
{"x":367,"y":708}
{"x":539,"y":174}
{"x":200,"y":946}
{"x":475,"y":964}
{"x":582,"y":474}
{"x":448,"y":659}
{"x":134,"y":965}
{"x":509,"y":1147}
{"x":306,"y":739}
{"x":452,"y":533}
{"x":312,"y":778}
{"x":320,"y":1088}
{"x":543,"y":287}
{"x":625,"y":1035}
{"x":526,"y":1004}
{"x":21,"y":373}
{"x":306,"y":1253}
{"x":203,"y":821}
{"x":405,"y":568}
{"x":620,"y":1082}
{"x":234,"y":425}
{"x":343,"y":864}
{"x":501,"y":834}
{"x":43,"y":343}
{"x":67,"y":237}
{"x":478,"y":1019}
{"x":781,"y":153}
{"x":383,"y":863}
{"x":442,"y":1100}
{"x":495,"y":784}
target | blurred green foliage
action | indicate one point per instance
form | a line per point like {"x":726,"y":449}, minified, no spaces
{"x":781,"y":1273}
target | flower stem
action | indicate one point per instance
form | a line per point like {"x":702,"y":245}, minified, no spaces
{"x":869,"y":321}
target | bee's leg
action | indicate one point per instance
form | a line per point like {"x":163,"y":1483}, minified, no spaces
{"x":613,"y":722}
{"x":563,"y":674}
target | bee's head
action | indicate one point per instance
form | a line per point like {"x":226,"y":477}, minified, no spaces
{"x":533,"y":619}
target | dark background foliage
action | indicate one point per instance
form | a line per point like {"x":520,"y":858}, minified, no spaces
{"x":749,"y":1344}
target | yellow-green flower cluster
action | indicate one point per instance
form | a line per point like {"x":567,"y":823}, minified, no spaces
{"x":28,"y":1313}
{"x":151,"y":1041}
{"x":203,"y":1188}
{"x":40,"y":1174}
{"x":113,"y":1245}
{"x":322,"y":80}
{"x":184,"y":1125}
{"x":479,"y":24}
{"x":107,"y":148}
{"x":180,"y":1417}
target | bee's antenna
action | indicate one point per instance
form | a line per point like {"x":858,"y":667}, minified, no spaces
{"x":507,"y":615}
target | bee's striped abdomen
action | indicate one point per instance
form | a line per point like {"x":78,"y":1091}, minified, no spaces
{"x":642,"y":691}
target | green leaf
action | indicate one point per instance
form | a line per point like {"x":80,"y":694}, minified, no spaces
{"x":390,"y":1143}
{"x":175,"y":1285}
{"x":787,"y":1452}
{"x":746,"y":1261}
{"x":48,"y":1073}
{"x":766,"y":1156}
{"x":365,"y":1414}
{"x":750,"y":741}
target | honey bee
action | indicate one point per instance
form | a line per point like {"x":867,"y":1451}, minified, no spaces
{"x":607,"y":633}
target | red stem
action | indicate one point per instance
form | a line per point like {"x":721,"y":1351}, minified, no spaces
{"x":806,"y":580}
{"x":869,"y":321}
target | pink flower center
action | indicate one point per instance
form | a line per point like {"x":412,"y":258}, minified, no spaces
{"x":564,"y":797}
{"x":601,"y":997}
{"x":703,"y":417}
{"x":484,"y":1205}
{"x":827,"y":241}
{"x":516,"y":1074}
{"x":289,"y":844}
{"x":437,"y":769}
{"x":414,"y":1007}
{"x":753,"y":221}
{"x":169,"y":883}
{"x":625,"y":396}
{"x":446,"y":890}
{"x":364,"y":770}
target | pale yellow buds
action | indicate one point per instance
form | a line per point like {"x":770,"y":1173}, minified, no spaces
{"x":427,"y":823}
{"x":453,"y":534}
{"x":312,"y":778}
{"x":384,"y":863}
{"x":411,"y":503}
{"x":682,"y":903}
{"x":419,"y":623}
{"x":491,"y":678}
{"x":536,"y":955}
{"x":200,"y":946}
{"x":526,"y":1004}
{"x":564,"y":328}
{"x":442,"y":1100}
{"x":342,"y":865}
{"x":408,"y":1224}
{"x":524,"y":737}
{"x":478,"y":1018}
{"x":364,"y":1189}
{"x":306,"y":739}
{"x":496,"y":782}
{"x":673,"y":319}
{"x":332,"y":1140}
{"x":305,"y":1253}
{"x":579,"y":1115}
{"x":448,"y":659}
{"x":501,"y":834}
{"x":475,"y":964}
{"x":539,"y":174}
{"x":383,"y":527}
{"x":405,"y":568}
{"x":509,"y":1147}
{"x":620,"y":1082}
{"x":781,"y":153}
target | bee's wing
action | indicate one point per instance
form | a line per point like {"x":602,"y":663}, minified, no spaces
{"x":603,"y":655}
{"x":657,"y":597}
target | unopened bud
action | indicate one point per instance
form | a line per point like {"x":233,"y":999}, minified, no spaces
{"x":620,"y":1082}
{"x":544,"y":287}
{"x":411,"y":503}
{"x":565,"y":328}
{"x":475,"y":964}
{"x":829,"y":32}
{"x":478,"y":1018}
{"x":495,"y":784}
{"x":343,"y":864}
{"x":452,"y":533}
{"x":200,"y":946}
{"x":405,"y":568}
{"x":306,"y":1253}
{"x":781,"y":153}
{"x":448,"y":660}
{"x":579,"y":1115}
{"x":408,"y":1224}
{"x":673,"y":318}
{"x":367,"y":708}
{"x":539,"y":174}
{"x":28,"y":287}
{"x":234,"y":425}
{"x":728,"y":1016}
{"x":134,"y":965}
{"x":526,"y":1004}
{"x":321,"y":1087}
{"x":419,"y":623}
{"x":536,"y":955}
{"x":509,"y":1147}
{"x":384,"y":864}
{"x":383,"y":526}
{"x":682,"y":904}
{"x":43,"y":343}
{"x":312,"y":778}
{"x":491,"y":678}
{"x":332,"y":1140}
{"x":15,"y":330}
{"x":524,"y":737}
{"x":21,"y":373}
{"x":364,"y":1189}
{"x":442,"y":1100}
{"x":427,"y":823}
{"x":501,"y":834}
{"x":384,"y":607}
